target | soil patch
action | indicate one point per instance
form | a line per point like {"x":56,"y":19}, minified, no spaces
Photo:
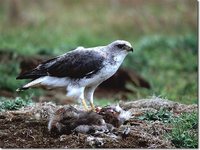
{"x":28,"y":128}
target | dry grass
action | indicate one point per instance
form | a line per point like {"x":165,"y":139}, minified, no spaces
{"x":125,"y":17}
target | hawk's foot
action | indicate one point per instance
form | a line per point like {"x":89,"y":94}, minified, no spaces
{"x":84,"y":105}
{"x":93,"y":108}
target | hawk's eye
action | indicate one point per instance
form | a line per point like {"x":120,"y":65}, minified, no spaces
{"x":121,"y":46}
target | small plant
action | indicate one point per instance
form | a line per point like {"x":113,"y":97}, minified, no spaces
{"x":162,"y":115}
{"x":13,"y":104}
{"x":185,"y":131}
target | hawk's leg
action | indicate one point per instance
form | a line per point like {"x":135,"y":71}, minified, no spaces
{"x":77,"y":93}
{"x":92,"y":106}
{"x":89,"y":92}
{"x":84,"y":104}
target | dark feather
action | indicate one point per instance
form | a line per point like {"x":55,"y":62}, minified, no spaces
{"x":75,"y":64}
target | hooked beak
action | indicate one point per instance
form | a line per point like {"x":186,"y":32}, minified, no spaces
{"x":130,"y":49}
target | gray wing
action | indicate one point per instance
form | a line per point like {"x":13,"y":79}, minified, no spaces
{"x":75,"y":64}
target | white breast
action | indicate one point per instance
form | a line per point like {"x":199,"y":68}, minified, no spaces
{"x":106,"y":72}
{"x":110,"y":68}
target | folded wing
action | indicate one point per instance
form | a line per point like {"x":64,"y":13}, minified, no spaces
{"x":76,"y":64}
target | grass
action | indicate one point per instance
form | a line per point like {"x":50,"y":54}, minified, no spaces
{"x":102,"y":102}
{"x":61,"y":27}
{"x":161,"y":115}
{"x":9,"y":83}
{"x":13,"y":104}
{"x":185,"y":131}
{"x":169,"y":65}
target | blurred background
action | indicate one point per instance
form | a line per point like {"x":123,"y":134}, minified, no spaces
{"x":162,"y":32}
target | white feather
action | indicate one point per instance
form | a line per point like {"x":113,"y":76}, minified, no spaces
{"x":48,"y":81}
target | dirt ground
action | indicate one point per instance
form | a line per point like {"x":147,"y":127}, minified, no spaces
{"x":28,"y":128}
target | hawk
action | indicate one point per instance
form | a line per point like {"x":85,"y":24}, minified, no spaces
{"x":79,"y":71}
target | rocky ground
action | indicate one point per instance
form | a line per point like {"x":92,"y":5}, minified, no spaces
{"x":28,"y":128}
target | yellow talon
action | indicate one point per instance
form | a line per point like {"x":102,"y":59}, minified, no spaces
{"x":84,"y":104}
{"x":86,"y":107}
{"x":92,"y":106}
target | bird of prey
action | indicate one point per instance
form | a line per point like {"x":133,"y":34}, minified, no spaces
{"x":79,"y":71}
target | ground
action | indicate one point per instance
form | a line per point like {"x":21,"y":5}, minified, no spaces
{"x":27,"y":127}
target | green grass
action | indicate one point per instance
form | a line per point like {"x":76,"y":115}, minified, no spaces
{"x":71,"y":23}
{"x":102,"y":102}
{"x":170,"y":64}
{"x":184,"y":133}
{"x":9,"y":82}
{"x":14,"y":104}
{"x":161,"y":115}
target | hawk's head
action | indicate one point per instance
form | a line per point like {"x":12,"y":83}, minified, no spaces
{"x":121,"y":45}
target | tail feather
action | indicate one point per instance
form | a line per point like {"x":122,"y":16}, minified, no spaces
{"x":21,"y":89}
{"x":33,"y":83}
